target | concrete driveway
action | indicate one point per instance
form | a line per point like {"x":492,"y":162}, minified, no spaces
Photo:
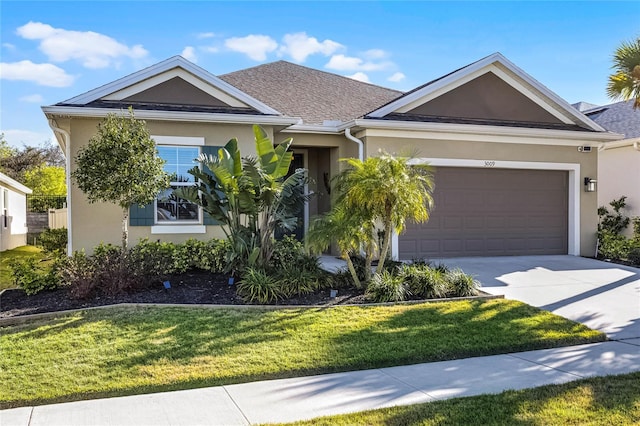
{"x":602,"y":295}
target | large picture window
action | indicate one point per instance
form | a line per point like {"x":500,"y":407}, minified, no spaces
{"x":169,"y":208}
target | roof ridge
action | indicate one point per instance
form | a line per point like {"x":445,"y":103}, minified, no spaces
{"x":315,"y":70}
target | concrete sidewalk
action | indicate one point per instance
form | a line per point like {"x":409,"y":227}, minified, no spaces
{"x":308,"y":397}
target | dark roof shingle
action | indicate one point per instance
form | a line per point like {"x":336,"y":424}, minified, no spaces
{"x":619,"y":118}
{"x":313,"y":95}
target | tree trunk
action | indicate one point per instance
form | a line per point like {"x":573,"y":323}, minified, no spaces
{"x":354,"y":275}
{"x":385,"y":246}
{"x":125,"y":229}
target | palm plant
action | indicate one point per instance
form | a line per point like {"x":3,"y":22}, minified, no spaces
{"x":388,"y":189}
{"x":249,"y":196}
{"x":624,"y":83}
{"x":348,"y":228}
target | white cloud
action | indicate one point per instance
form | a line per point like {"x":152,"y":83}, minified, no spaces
{"x":373,"y":54}
{"x":299,"y":46}
{"x":350,"y":63}
{"x":9,"y":46}
{"x":18,"y":138}
{"x":42,"y":74}
{"x":92,"y":49}
{"x":189,"y":53}
{"x":396,"y":77}
{"x":360,"y":76}
{"x":254,"y":46}
{"x":35,"y":98}
{"x":205,"y":35}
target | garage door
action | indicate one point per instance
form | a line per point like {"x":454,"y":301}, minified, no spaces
{"x":492,"y":212}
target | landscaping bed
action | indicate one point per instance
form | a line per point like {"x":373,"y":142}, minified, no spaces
{"x":198,"y":288}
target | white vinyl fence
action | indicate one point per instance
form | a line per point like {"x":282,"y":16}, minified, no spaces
{"x":57,"y":218}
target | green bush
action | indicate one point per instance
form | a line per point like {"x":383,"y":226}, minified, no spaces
{"x":296,"y":281}
{"x":54,"y":240}
{"x":257,"y":286}
{"x":32,"y":277}
{"x":613,"y":246}
{"x":461,"y":284}
{"x":424,"y":281}
{"x":387,"y":287}
{"x":207,"y":255}
{"x":634,"y":255}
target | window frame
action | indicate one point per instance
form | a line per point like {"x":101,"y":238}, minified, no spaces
{"x":178,"y":142}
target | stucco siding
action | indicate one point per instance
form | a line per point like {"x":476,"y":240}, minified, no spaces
{"x":618,"y":175}
{"x":102,"y":222}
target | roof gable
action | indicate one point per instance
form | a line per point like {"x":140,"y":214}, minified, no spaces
{"x":492,"y":90}
{"x":173,"y":81}
{"x":619,"y":117}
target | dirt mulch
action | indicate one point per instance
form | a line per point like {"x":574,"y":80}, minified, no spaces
{"x":189,"y":288}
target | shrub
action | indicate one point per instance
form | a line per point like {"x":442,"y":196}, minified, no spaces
{"x":257,"y":286}
{"x":34,"y":278}
{"x":207,"y":255}
{"x":424,"y":281}
{"x":612,"y":245}
{"x":157,"y":259}
{"x":634,"y":255}
{"x":54,"y":240}
{"x":387,"y":287}
{"x":109,"y":271}
{"x":461,"y":284}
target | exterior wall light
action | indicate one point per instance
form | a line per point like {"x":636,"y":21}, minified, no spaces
{"x":590,"y":185}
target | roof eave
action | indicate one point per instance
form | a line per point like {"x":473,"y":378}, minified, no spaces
{"x":87,"y":112}
{"x":14,"y":184}
{"x":482,"y":130}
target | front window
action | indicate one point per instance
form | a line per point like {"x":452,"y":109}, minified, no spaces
{"x":169,"y":208}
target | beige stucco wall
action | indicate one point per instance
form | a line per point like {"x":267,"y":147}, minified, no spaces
{"x":492,"y":151}
{"x":618,"y":175}
{"x":102,"y":222}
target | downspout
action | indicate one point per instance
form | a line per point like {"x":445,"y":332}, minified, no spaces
{"x":67,"y":155}
{"x":347,"y":133}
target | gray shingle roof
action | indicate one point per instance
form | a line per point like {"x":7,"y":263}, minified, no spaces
{"x":619,"y":118}
{"x":313,"y":95}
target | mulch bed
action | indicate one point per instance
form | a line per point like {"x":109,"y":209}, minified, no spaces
{"x":189,"y":288}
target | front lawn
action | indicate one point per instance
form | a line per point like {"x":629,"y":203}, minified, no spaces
{"x":130,"y":351}
{"x":6,"y":277}
{"x":612,"y":400}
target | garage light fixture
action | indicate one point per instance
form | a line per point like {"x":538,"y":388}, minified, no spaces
{"x":590,"y":185}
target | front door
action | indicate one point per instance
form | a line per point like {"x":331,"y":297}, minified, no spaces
{"x":298,"y":162}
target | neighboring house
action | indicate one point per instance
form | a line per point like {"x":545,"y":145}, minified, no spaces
{"x":508,"y":157}
{"x":13,"y":213}
{"x":619,"y":161}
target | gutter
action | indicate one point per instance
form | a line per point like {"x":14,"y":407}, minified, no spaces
{"x":635,"y":142}
{"x":347,"y":133}
{"x":67,"y":153}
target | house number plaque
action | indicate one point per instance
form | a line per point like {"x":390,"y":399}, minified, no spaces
{"x":489,"y":163}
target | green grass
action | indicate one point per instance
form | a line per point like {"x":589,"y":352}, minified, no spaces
{"x":6,"y":278}
{"x":129,"y":351}
{"x":612,"y":400}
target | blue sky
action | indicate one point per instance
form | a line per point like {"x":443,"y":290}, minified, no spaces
{"x":51,"y":51}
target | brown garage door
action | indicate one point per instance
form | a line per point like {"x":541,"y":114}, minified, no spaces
{"x":492,"y":212}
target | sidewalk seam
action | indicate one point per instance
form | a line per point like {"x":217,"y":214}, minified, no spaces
{"x":236,"y":404}
{"x":407,"y":384}
{"x":548,"y":366}
{"x":30,"y":416}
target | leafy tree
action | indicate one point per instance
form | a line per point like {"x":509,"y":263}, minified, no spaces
{"x":46,"y":180}
{"x":16,"y":162}
{"x":250,"y":196}
{"x":120,"y":165}
{"x":624,"y":83}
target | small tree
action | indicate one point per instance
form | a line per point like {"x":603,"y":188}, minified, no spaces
{"x":120,"y":165}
